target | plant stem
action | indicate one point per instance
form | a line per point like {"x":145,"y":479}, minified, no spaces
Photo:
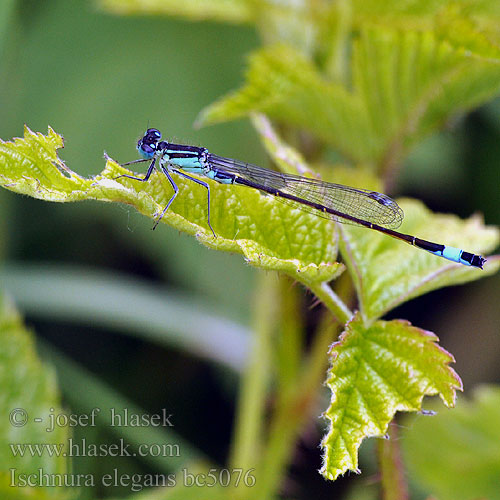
{"x":394,"y":485}
{"x":295,"y":404}
{"x":248,"y":435}
{"x":332,"y":301}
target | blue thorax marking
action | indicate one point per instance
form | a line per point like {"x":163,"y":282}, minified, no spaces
{"x":193,"y":160}
{"x":189,"y":158}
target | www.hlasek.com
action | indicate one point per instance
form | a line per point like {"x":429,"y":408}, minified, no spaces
{"x":80,"y":448}
{"x":136,"y":482}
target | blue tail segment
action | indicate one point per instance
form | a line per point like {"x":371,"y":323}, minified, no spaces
{"x":462,"y":257}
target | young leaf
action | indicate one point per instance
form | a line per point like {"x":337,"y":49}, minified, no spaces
{"x":29,"y":392}
{"x":420,"y":15}
{"x":468,"y":463}
{"x":404,"y":85}
{"x":270,"y":234}
{"x":377,"y":370}
{"x":388,"y":272}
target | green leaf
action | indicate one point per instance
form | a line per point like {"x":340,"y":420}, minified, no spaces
{"x":377,"y":370}
{"x":388,"y":272}
{"x":416,"y":14}
{"x":232,"y":11}
{"x":467,"y":466}
{"x":30,"y":165}
{"x":28,"y":392}
{"x":276,"y":82}
{"x":270,"y":234}
{"x":404,"y":85}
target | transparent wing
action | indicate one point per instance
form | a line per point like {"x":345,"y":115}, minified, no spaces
{"x":360,"y":203}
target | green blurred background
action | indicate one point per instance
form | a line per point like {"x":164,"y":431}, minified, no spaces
{"x":100,"y":81}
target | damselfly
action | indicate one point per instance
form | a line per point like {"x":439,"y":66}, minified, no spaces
{"x":331,"y":201}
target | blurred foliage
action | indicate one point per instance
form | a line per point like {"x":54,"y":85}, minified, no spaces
{"x":468,"y":440}
{"x":29,"y":391}
{"x":353,"y":88}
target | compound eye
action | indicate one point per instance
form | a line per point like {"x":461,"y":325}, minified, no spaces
{"x":153,"y":134}
{"x":145,"y":150}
